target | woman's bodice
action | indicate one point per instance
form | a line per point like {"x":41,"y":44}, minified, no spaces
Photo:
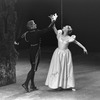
{"x":63,"y":42}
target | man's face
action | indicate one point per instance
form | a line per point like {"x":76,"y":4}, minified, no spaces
{"x":31,"y":25}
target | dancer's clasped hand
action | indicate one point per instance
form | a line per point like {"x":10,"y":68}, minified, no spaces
{"x":53,"y":17}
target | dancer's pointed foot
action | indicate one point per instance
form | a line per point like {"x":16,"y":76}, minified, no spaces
{"x":73,"y":89}
{"x":25,"y":87}
{"x":33,"y":88}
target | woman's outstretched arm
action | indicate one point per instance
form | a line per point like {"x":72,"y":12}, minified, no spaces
{"x":55,"y":29}
{"x":80,"y":45}
{"x":53,"y":18}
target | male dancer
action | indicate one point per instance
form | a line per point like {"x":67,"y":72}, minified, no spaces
{"x":33,"y":36}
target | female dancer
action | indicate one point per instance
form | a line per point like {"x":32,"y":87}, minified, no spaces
{"x":60,"y":74}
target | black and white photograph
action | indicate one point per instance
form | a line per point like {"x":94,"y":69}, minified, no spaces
{"x":49,"y":50}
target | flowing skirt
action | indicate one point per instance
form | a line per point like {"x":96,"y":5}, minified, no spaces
{"x":60,"y":72}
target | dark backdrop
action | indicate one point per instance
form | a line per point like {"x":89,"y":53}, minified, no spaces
{"x":82,"y":15}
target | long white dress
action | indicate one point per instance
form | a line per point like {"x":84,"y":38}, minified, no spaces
{"x":60,"y":72}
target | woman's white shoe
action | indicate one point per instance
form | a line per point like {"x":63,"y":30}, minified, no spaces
{"x":73,"y":89}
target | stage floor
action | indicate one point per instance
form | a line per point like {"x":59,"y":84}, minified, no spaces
{"x":87,"y":79}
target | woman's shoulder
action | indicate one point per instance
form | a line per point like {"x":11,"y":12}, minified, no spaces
{"x":59,"y":31}
{"x":58,"y":34}
{"x":72,"y":38}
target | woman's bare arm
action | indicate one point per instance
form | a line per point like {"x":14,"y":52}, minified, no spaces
{"x":80,"y":45}
{"x":55,"y":29}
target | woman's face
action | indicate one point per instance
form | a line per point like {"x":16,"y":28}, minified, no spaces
{"x":67,"y":29}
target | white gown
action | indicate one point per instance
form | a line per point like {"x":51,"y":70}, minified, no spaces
{"x":60,"y":72}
